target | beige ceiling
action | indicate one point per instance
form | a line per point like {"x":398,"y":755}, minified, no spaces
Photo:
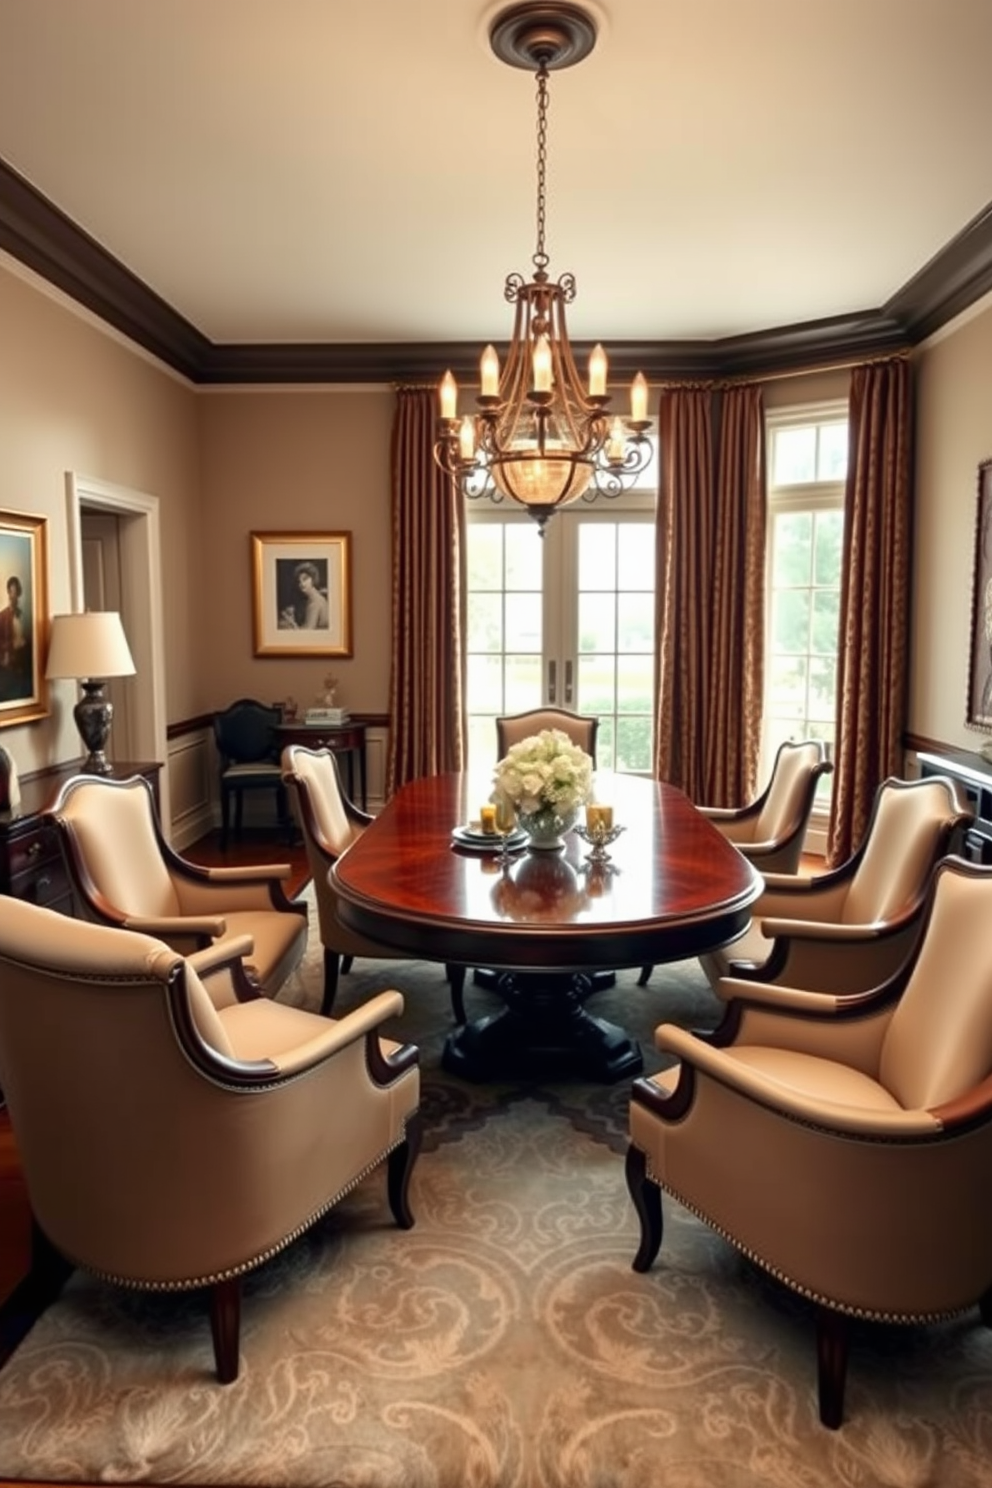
{"x":321,"y":171}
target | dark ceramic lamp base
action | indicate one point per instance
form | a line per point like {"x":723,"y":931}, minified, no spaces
{"x":93,"y":714}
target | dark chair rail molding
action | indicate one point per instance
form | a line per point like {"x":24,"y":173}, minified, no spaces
{"x":183,"y":726}
{"x":38,"y":234}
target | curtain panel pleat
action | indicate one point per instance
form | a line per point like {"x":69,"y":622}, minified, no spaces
{"x":872,"y":671}
{"x":427,"y":675}
{"x":710,"y":593}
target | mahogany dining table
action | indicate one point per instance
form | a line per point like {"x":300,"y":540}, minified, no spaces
{"x":544,"y":922}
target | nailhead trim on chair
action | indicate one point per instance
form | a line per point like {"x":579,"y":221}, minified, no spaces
{"x":232,"y":1271}
{"x":870,"y":1314}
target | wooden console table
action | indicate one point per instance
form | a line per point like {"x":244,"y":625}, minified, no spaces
{"x":31,"y":865}
{"x":345,"y":738}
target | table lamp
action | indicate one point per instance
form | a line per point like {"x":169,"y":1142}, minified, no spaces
{"x":90,"y":647}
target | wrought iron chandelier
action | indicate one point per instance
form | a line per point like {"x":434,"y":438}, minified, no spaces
{"x":542,"y":436}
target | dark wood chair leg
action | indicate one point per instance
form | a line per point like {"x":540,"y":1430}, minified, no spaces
{"x":225,"y":1326}
{"x":646,"y":1198}
{"x":985,"y":1307}
{"x":645,"y":976}
{"x":225,"y":816}
{"x":456,"y":980}
{"x":399,"y":1167}
{"x":347,"y":962}
{"x":239,"y":810}
{"x":331,"y":963}
{"x":831,"y":1355}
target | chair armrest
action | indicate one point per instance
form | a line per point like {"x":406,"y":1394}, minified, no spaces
{"x":833,"y":1116}
{"x":719,"y":813}
{"x":339,"y":1033}
{"x":207,"y":927}
{"x":221,"y":953}
{"x":250,"y":873}
{"x":762,"y":994}
{"x":827,"y":930}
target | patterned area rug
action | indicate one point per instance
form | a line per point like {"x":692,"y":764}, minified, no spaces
{"x":505,"y":1341}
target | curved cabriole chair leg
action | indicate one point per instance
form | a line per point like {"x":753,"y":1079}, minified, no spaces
{"x":331,"y":963}
{"x":456,"y":980}
{"x":646,"y":1198}
{"x":225,"y":1326}
{"x":399,"y":1168}
{"x":831,"y":1355}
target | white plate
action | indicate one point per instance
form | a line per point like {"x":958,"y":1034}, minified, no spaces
{"x":472,"y":836}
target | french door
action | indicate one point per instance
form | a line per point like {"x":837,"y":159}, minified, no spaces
{"x":566,"y":619}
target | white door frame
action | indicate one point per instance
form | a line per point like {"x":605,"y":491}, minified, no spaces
{"x":141,"y":578}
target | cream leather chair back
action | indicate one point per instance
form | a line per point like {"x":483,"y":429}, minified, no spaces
{"x":790,"y":791}
{"x":581,"y":728}
{"x":115,"y":833}
{"x":908,"y":828}
{"x":939,"y":1041}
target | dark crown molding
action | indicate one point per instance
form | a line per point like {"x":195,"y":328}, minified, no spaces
{"x":42,"y":237}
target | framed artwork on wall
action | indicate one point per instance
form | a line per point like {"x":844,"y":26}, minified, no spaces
{"x":23,"y":617}
{"x":980,"y":669}
{"x":301,"y":593}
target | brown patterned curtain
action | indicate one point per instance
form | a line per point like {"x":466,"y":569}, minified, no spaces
{"x":710,"y":592}
{"x":427,"y":679}
{"x":872,"y":673}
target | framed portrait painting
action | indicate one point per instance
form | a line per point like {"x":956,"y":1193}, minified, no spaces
{"x":980,"y":668}
{"x":301,"y":593}
{"x":23,"y":617}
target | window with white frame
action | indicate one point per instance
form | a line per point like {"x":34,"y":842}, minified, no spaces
{"x":807,"y":469}
{"x":566,"y":619}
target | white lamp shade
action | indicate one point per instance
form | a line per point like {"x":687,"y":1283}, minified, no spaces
{"x":89,"y":645}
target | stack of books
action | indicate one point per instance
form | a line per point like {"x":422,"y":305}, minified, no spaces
{"x":327,"y":717}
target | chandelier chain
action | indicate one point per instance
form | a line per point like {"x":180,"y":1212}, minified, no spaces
{"x":540,"y":259}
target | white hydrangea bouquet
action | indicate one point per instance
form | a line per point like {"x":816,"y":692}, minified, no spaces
{"x":546,"y":778}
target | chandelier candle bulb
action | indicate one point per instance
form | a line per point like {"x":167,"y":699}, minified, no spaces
{"x":542,"y":365}
{"x":597,"y":372}
{"x":615,"y":444}
{"x":490,"y":373}
{"x":466,"y":438}
{"x":639,"y":399}
{"x":449,"y":397}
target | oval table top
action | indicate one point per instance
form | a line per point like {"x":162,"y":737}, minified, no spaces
{"x":674,"y":886}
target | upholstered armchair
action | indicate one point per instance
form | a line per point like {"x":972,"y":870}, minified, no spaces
{"x":124,"y":873}
{"x":172,"y":1135}
{"x":842,"y":1141}
{"x":330,"y":823}
{"x":852,"y":926}
{"x":770,"y":832}
{"x":581,"y":728}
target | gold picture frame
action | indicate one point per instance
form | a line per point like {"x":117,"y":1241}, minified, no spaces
{"x":301,"y":593}
{"x":24,"y":617}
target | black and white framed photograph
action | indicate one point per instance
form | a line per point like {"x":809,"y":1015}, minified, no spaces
{"x":301,"y":593}
{"x":980,"y":668}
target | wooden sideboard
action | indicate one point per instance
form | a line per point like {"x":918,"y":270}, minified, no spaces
{"x":346,"y":738}
{"x":31,"y":865}
{"x":974,"y":775}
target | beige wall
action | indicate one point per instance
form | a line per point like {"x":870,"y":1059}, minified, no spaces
{"x":294,"y":460}
{"x":953,"y":433}
{"x":73,"y":398}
